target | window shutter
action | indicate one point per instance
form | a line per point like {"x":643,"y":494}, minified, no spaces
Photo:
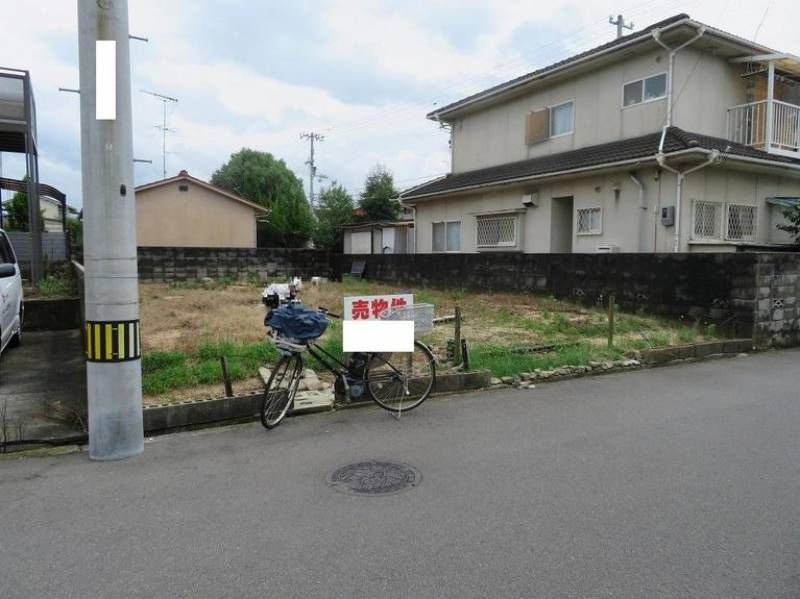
{"x":537,"y":126}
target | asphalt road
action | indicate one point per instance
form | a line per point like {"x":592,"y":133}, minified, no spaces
{"x":676,"y":482}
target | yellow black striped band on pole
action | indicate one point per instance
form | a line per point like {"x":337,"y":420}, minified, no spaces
{"x":113,"y":341}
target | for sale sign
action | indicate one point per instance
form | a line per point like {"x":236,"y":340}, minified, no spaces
{"x":371,"y":307}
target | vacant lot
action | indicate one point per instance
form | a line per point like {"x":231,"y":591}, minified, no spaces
{"x":188,"y":326}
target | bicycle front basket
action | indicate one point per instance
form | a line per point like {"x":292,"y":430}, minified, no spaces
{"x":421,"y":314}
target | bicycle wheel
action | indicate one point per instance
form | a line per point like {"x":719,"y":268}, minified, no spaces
{"x":402,"y":381}
{"x":280,"y":389}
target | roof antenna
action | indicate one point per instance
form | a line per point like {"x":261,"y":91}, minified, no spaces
{"x":621,"y":25}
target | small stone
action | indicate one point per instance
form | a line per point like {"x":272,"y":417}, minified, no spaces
{"x":595,"y":364}
{"x":630,"y":363}
{"x":507,"y":380}
{"x":495,"y":381}
{"x":531,"y":386}
{"x":742,"y":355}
{"x":608,"y":365}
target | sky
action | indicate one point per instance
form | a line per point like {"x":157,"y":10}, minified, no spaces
{"x":363,"y":73}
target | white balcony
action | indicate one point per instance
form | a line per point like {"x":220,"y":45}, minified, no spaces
{"x":748,"y":125}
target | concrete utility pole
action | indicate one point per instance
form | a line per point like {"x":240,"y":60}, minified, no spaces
{"x":113,"y":347}
{"x":163,"y":126}
{"x":312,"y":169}
{"x":621,"y":24}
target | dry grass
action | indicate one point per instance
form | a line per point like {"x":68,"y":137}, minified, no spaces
{"x":186,"y":327}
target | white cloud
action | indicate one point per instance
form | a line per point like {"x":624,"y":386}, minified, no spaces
{"x":226,"y":104}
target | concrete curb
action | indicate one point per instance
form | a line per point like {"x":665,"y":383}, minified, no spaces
{"x":243,"y":408}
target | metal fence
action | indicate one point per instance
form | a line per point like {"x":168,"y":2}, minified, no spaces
{"x":54,"y":247}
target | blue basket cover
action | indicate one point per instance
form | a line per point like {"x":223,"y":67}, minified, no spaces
{"x":296,"y":322}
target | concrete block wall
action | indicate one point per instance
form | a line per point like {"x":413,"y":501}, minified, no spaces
{"x":696,"y":287}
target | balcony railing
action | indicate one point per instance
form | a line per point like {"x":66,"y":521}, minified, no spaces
{"x":747,"y":124}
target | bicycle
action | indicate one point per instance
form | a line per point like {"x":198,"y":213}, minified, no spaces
{"x":397,"y":385}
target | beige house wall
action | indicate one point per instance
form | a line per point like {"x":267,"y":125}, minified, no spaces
{"x":705,"y":87}
{"x":199,"y":217}
{"x":622,"y":218}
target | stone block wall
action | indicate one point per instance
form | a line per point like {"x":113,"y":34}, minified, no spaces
{"x":777,"y":314}
{"x":164,"y":264}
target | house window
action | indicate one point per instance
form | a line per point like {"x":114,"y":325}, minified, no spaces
{"x":707,"y":218}
{"x":741,"y":222}
{"x":562,"y":119}
{"x":644,"y":90}
{"x":590,"y":221}
{"x":447,"y":236}
{"x":496,"y":231}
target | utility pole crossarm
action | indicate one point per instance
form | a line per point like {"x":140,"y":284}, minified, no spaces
{"x":621,"y":25}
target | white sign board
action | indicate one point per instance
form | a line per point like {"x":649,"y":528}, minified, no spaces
{"x":378,"y":336}
{"x":370,"y":307}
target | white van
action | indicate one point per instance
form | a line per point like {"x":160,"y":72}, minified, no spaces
{"x":11,"y":305}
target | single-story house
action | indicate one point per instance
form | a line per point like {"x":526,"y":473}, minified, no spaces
{"x":379,"y":237}
{"x":184,"y":211}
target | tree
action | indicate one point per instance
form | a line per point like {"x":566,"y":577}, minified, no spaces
{"x":378,"y":198}
{"x":334,"y":210}
{"x":265,"y":180}
{"x":792,"y":216}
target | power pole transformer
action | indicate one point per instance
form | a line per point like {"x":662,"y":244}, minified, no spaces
{"x":621,"y":25}
{"x":113,"y":344}
{"x":312,"y":168}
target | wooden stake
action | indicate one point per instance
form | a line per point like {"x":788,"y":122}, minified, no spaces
{"x":611,"y":301}
{"x":457,"y":337}
{"x":226,"y":379}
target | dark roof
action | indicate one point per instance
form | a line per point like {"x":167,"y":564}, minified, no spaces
{"x":616,"y":42}
{"x":598,"y":156}
{"x":379,"y":223}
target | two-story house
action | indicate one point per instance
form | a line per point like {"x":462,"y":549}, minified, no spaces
{"x":679,"y":137}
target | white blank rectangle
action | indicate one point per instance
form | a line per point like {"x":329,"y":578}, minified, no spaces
{"x":378,"y":335}
{"x":106,"y":80}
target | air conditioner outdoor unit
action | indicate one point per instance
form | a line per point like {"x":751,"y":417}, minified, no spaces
{"x":608,"y":249}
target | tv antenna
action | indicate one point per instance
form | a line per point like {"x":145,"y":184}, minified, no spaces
{"x":163,"y":127}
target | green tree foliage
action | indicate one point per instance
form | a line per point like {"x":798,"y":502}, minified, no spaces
{"x":16,"y":210}
{"x":265,"y":180}
{"x":792,"y":216}
{"x":378,"y":197}
{"x":334,"y":210}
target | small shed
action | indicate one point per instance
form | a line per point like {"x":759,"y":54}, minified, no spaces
{"x":379,"y":237}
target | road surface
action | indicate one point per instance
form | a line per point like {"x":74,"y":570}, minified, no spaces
{"x":673,"y":482}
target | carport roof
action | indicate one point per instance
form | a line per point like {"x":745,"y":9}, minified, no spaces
{"x":616,"y":153}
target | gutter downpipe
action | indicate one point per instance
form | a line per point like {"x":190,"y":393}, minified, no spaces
{"x":642,"y":208}
{"x":670,"y":72}
{"x":713,"y":158}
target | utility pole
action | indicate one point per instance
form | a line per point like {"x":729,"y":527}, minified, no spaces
{"x":113,"y":346}
{"x":312,"y":169}
{"x":163,"y":127}
{"x":621,"y":25}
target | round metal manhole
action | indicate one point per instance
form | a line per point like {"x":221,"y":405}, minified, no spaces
{"x":374,"y":477}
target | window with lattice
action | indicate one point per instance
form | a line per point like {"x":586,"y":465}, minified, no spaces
{"x":496,"y":231}
{"x":707,"y":218}
{"x":590,"y":221}
{"x":742,"y":222}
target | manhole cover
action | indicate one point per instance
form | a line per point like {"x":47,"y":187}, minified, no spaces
{"x":374,"y":477}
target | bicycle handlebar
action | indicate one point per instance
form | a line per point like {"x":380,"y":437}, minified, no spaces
{"x":326,"y":312}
